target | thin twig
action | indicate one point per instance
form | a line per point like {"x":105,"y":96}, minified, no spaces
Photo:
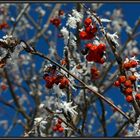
{"x":86,"y":86}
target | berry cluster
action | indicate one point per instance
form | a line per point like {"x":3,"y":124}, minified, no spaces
{"x":56,"y":79}
{"x":51,"y":78}
{"x":89,"y":31}
{"x":127,"y":84}
{"x":58,"y":127}
{"x":95,"y":73}
{"x":130,"y":64}
{"x":95,"y":53}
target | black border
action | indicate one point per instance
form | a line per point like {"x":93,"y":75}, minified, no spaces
{"x":68,"y":1}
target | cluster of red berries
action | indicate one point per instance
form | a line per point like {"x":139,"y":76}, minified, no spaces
{"x":95,"y":53}
{"x":58,"y":126}
{"x":56,"y":79}
{"x":95,"y":73}
{"x":89,"y":31}
{"x":130,"y":64}
{"x":127,"y":85}
{"x":55,"y":21}
{"x":51,"y":77}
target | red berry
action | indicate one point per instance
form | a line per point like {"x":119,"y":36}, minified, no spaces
{"x":102,"y":47}
{"x":61,"y":12}
{"x":95,"y":73}
{"x":89,"y":45}
{"x":83,"y":35}
{"x":94,"y":30}
{"x":133,"y":63}
{"x":58,"y":125}
{"x":137,"y":96}
{"x":117,"y":83}
{"x":59,"y":121}
{"x":128,"y":91}
{"x":93,"y":70}
{"x":88,"y":29}
{"x":55,"y":128}
{"x":55,"y":21}
{"x":58,"y":79}
{"x":122,"y":79}
{"x":64,"y":81}
{"x":102,"y":60}
{"x":127,"y":65}
{"x":61,"y":129}
{"x":128,"y":83}
{"x":94,"y":49}
{"x":87,"y":21}
{"x":90,"y":36}
{"x":89,"y":57}
{"x":132,"y":78}
{"x":129,"y":98}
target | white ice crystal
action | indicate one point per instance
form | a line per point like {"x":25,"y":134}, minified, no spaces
{"x":113,"y":37}
{"x":67,"y":107}
{"x":65,"y":34}
{"x":78,"y":16}
{"x":38,"y":119}
{"x":71,"y":22}
{"x":41,"y":11}
{"x":136,"y":130}
{"x":105,"y":20}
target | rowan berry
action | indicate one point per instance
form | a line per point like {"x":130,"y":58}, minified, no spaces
{"x":129,"y":98}
{"x":122,"y":79}
{"x":87,"y":21}
{"x":137,"y":96}
{"x":128,"y":83}
{"x":117,"y":83}
{"x":61,"y":129}
{"x":128,"y":91}
{"x":132,"y":78}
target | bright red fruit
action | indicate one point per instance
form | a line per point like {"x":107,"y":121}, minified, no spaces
{"x":61,"y":129}
{"x":55,"y":128}
{"x":128,"y":91}
{"x":87,"y":21}
{"x":83,"y":35}
{"x":133,"y":63}
{"x":55,"y":21}
{"x":137,"y":96}
{"x":132,"y":78}
{"x":122,"y":79}
{"x":128,"y":83}
{"x":117,"y":83}
{"x":129,"y":98}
